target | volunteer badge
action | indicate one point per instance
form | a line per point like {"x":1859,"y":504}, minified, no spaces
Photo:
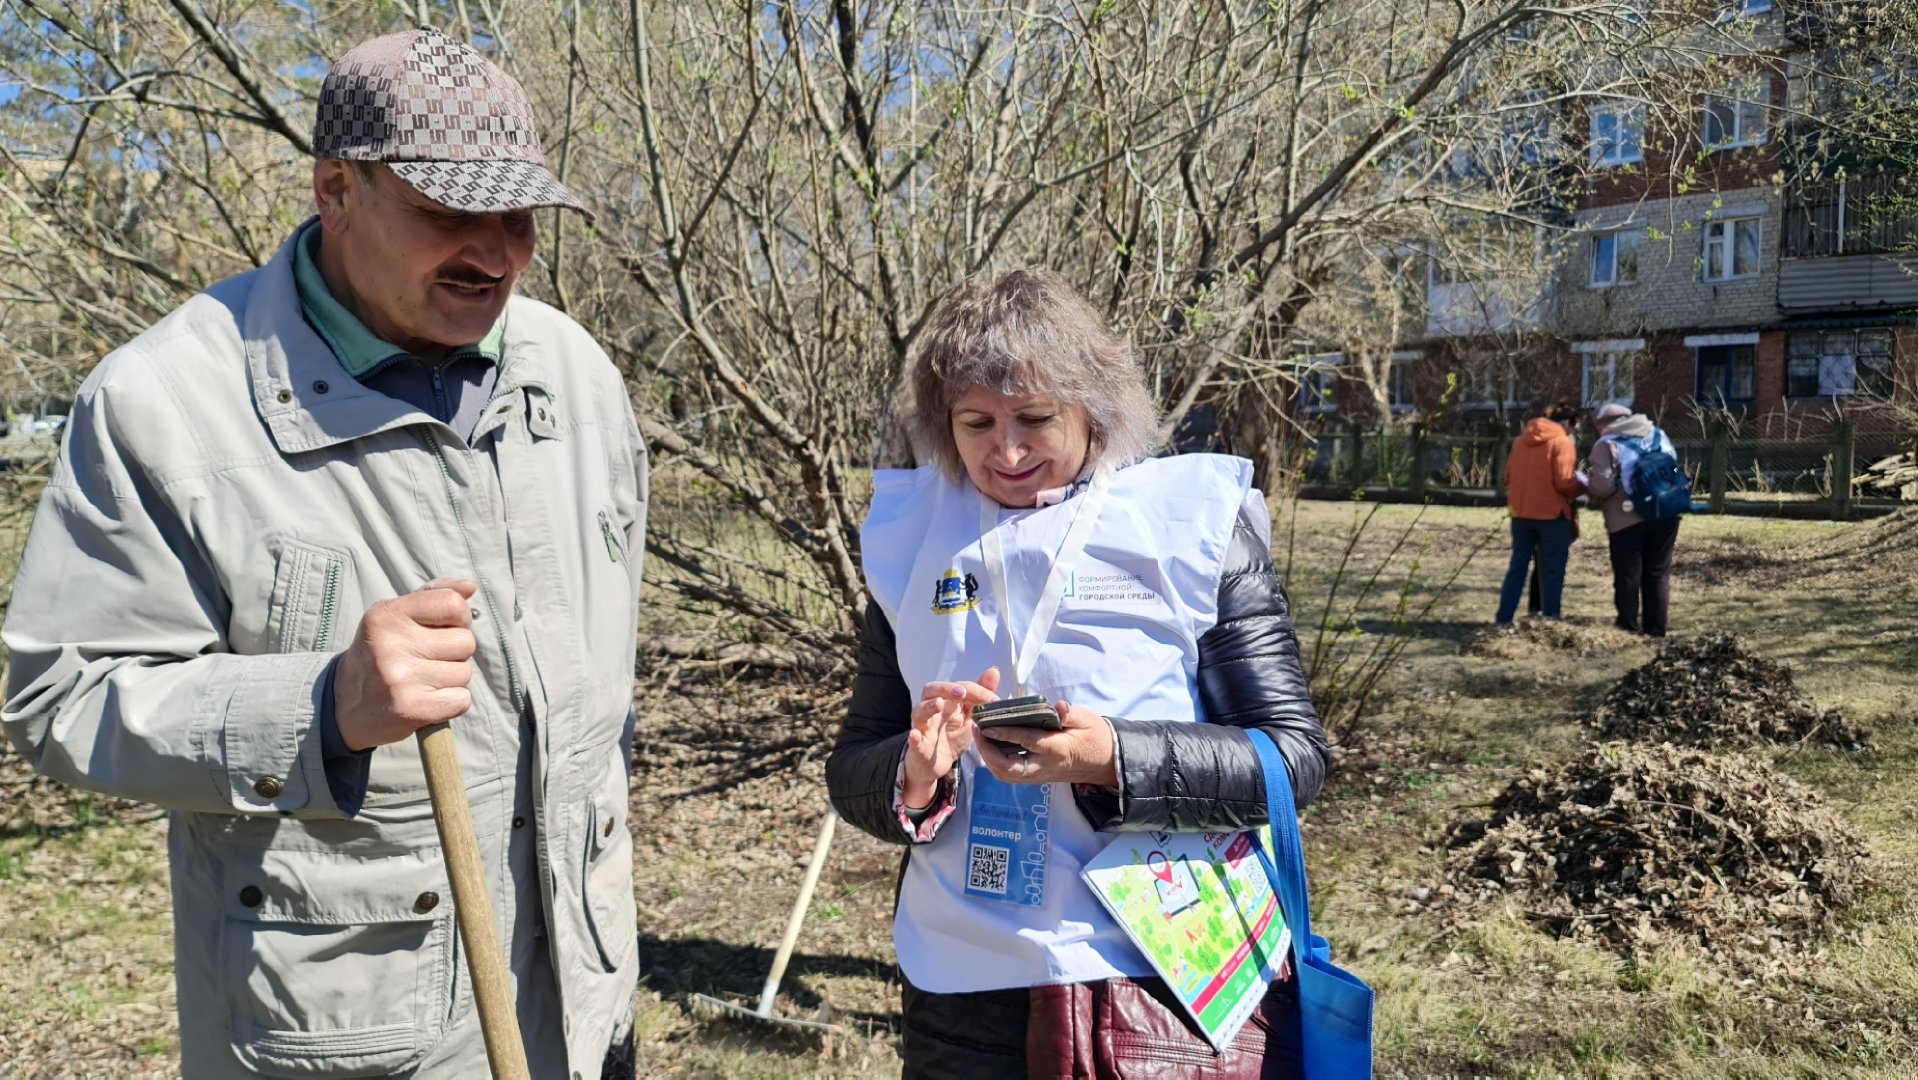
{"x":955,"y":594}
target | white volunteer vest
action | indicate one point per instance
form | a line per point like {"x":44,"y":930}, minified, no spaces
{"x":1124,"y":643}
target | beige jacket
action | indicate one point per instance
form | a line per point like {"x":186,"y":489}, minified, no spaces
{"x":228,"y":501}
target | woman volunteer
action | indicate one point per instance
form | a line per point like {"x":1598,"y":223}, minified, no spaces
{"x":1043,"y":553}
{"x":1641,"y":548}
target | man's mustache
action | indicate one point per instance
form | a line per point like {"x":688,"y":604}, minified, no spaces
{"x":472,"y":279}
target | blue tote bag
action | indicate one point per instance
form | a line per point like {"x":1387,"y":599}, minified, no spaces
{"x":1335,"y":1008}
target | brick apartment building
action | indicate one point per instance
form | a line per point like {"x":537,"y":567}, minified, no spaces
{"x":1704,"y":272}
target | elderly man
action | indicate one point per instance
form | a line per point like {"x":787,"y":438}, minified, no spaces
{"x":358,"y":491}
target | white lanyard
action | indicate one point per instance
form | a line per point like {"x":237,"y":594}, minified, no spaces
{"x":1026,"y":656}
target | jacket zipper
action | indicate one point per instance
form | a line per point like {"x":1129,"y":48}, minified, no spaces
{"x":439,"y":394}
{"x":613,"y":550}
{"x":513,"y":687}
{"x":522,"y":706}
{"x":329,"y":606}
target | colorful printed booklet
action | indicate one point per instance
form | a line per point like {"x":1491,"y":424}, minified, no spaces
{"x":1199,"y":906}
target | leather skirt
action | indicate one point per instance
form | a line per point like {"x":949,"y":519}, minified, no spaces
{"x":1109,"y":1030}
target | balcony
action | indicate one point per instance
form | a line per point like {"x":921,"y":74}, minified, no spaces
{"x":1850,"y":245}
{"x":1465,"y":309}
{"x":1812,"y":22}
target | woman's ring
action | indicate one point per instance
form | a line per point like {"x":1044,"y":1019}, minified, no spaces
{"x":1025,"y":767}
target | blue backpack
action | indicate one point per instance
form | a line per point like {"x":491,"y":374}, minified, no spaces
{"x":1660,"y":490}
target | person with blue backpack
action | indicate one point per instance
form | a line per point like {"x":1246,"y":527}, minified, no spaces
{"x":1635,"y":479}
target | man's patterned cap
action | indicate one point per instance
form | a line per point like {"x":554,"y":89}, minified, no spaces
{"x":444,"y":118}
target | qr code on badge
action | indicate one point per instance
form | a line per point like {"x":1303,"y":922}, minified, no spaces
{"x":989,"y":868}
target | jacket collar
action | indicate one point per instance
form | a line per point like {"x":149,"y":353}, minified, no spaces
{"x":309,"y":401}
{"x":358,"y":349}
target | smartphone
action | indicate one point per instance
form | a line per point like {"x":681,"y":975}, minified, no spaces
{"x":1031,"y":711}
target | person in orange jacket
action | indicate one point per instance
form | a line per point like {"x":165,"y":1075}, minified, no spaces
{"x":1542,"y":479}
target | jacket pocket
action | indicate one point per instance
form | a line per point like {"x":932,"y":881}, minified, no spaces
{"x":335,"y":966}
{"x":615,"y":546}
{"x":304,"y":612}
{"x":608,"y":869}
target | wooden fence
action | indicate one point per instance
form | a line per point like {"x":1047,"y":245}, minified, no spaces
{"x":1810,"y":477}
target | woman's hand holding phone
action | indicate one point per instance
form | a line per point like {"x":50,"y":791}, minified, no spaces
{"x":941,"y":731}
{"x":1080,"y":752}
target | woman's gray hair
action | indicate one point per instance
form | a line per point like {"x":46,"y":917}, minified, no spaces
{"x":1029,"y":332}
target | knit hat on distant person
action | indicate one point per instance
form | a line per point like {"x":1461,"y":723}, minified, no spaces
{"x":444,"y":118}
{"x":1609,"y":412}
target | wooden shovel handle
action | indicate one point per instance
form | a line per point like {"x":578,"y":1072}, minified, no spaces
{"x":473,"y":904}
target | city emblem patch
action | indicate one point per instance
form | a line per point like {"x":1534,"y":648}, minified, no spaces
{"x":955,"y":594}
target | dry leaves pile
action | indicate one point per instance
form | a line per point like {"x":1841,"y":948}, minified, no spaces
{"x":1882,"y":552}
{"x":1712,"y":690}
{"x":1533,"y":637}
{"x":1629,"y":843}
{"x":1877,"y":554}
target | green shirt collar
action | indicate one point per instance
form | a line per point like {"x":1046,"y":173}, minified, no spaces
{"x":359,"y":350}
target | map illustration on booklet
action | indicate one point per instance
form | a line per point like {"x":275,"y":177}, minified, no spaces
{"x":1201,"y":909}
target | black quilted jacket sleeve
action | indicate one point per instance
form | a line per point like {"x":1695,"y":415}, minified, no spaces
{"x":865,"y":757}
{"x":1173,"y":775}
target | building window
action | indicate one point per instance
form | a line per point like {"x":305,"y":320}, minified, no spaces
{"x":1398,"y":386}
{"x":1839,"y":363}
{"x":1526,"y":130}
{"x":1736,"y":117}
{"x":1491,"y":387}
{"x":1614,"y":258}
{"x":1319,"y":385}
{"x":1727,"y":374}
{"x":1618,"y":134}
{"x":1445,"y":272}
{"x":1733,"y":9}
{"x":1731,"y":248}
{"x":1607,"y":378}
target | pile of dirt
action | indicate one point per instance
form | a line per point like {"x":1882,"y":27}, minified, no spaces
{"x":1712,"y":690}
{"x":1529,"y":638}
{"x":1629,"y":843}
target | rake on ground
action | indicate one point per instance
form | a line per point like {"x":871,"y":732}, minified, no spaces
{"x":764,"y":1013}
